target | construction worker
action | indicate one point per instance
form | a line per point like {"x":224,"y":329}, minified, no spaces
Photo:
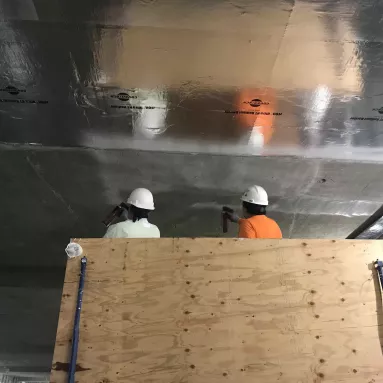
{"x":136,"y":225}
{"x":255,"y":223}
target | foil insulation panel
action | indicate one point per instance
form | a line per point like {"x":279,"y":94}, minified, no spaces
{"x":242,"y":78}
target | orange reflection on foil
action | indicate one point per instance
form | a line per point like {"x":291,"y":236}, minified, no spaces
{"x":261,"y":104}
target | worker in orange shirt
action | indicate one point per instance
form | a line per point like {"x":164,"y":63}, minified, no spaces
{"x":255,"y":223}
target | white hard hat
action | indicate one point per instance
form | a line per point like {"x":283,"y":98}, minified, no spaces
{"x":257,"y":195}
{"x":141,"y":198}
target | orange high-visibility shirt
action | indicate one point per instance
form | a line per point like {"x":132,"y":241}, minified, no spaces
{"x":259,"y":226}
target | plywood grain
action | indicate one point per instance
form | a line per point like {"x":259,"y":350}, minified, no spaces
{"x":211,"y":310}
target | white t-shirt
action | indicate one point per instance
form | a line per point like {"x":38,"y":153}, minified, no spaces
{"x":129,"y":229}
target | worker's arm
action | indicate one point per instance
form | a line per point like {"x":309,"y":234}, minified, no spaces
{"x":232,"y":216}
{"x":246,"y":230}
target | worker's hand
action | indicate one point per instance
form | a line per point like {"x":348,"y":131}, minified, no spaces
{"x":232,"y":217}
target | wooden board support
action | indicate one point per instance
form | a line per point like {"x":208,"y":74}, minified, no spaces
{"x":216,"y":310}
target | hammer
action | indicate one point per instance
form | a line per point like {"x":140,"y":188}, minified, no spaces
{"x":225,"y":220}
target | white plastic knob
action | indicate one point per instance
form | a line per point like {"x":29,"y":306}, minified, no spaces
{"x":73,"y":250}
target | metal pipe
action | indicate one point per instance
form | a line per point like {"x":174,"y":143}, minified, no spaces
{"x":366,"y":225}
{"x":76,"y":326}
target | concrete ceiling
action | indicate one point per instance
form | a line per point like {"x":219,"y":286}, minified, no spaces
{"x":194,"y":100}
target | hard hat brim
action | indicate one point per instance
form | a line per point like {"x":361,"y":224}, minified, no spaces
{"x":259,"y":202}
{"x":140,"y":206}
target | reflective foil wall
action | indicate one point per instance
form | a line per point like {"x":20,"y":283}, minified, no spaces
{"x":195,"y":100}
{"x":183,"y":76}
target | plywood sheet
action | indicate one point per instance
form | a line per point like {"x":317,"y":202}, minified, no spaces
{"x":211,"y":310}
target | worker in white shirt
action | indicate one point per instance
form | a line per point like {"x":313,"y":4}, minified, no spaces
{"x":136,"y":225}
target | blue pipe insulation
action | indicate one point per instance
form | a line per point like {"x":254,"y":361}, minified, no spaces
{"x":76,"y":326}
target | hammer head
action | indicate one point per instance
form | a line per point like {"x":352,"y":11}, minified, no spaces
{"x":115,"y":213}
{"x":227,"y":209}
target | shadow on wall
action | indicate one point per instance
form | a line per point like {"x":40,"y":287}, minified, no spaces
{"x":48,"y":197}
